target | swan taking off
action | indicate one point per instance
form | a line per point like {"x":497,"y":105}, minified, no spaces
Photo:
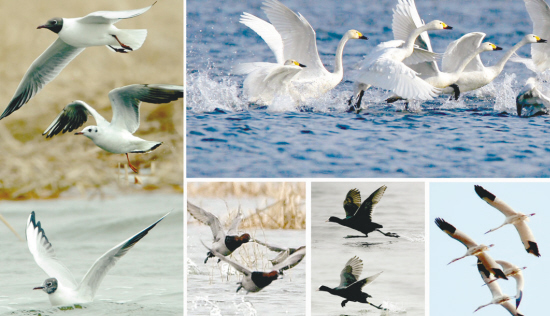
{"x":498,"y":296}
{"x":476,"y":75}
{"x":531,"y":101}
{"x":290,"y":36}
{"x":473,"y":248}
{"x":384,"y":67}
{"x":512,"y":217}
{"x":539,"y":11}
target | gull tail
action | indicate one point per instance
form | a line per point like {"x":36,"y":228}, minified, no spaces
{"x":132,"y":38}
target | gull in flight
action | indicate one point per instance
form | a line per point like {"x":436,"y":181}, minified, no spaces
{"x":61,"y":286}
{"x":116,"y":137}
{"x":75,"y":34}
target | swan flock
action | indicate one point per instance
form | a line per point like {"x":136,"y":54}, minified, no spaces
{"x":406,"y":65}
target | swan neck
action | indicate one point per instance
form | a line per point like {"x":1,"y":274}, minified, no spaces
{"x":466,"y":61}
{"x":338,"y":64}
{"x":409,"y":43}
{"x":500,"y":64}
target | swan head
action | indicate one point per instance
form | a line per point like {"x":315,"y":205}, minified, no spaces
{"x":486,"y":47}
{"x":438,"y":25}
{"x":532,"y":38}
{"x":292,"y":62}
{"x":355,"y":34}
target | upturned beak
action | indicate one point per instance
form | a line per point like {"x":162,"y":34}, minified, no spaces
{"x":542,"y":41}
{"x":363,"y":37}
{"x":79,"y":133}
{"x":39,"y":288}
{"x":498,"y":48}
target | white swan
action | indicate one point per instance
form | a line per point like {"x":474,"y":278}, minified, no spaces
{"x":265,"y":80}
{"x":476,"y":75}
{"x":531,"y":101}
{"x":386,"y":67}
{"x":290,"y":36}
{"x":539,"y":11}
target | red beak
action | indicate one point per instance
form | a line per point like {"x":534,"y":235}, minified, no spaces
{"x":41,"y":27}
{"x":79,"y":133}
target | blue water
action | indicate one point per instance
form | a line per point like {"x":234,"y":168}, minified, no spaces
{"x":478,"y":136}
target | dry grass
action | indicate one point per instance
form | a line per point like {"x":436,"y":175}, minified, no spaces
{"x":33,"y":167}
{"x":286,"y":211}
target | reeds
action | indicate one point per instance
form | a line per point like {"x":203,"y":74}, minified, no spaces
{"x":36,"y":167}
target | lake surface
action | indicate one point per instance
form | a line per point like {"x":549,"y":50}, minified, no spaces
{"x":211,"y":287}
{"x":400,"y":288}
{"x":148,"y":280}
{"x":480,"y":135}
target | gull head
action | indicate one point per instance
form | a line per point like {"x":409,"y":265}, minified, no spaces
{"x":55,"y":25}
{"x":90,"y":131}
{"x":354,"y":34}
{"x":532,"y":38}
{"x":438,"y":25}
{"x":486,"y":47}
{"x":292,"y":62}
{"x":49,"y":286}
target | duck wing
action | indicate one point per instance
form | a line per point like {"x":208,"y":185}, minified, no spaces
{"x":207,"y":218}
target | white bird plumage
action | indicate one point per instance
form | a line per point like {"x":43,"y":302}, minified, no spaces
{"x":498,"y":296}
{"x":61,"y":287}
{"x":116,"y":137}
{"x":539,"y":11}
{"x":75,"y":34}
{"x":290,"y":36}
{"x":512,"y":217}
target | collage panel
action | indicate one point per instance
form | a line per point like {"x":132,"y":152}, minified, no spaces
{"x":368,"y":248}
{"x":246,"y":244}
{"x":511,"y":263}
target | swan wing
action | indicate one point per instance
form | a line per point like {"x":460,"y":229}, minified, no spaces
{"x":458,"y":50}
{"x":281,"y":75}
{"x":299,"y":42}
{"x":396,"y":76}
{"x":267,"y":32}
{"x":527,"y":238}
{"x":539,"y":11}
{"x":44,"y":255}
{"x":207,"y":218}
{"x":420,"y":55}
{"x":351,"y":272}
{"x":247,"y":68}
{"x":455,"y":233}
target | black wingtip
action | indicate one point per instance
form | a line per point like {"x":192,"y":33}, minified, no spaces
{"x":482,"y":193}
{"x":443,"y":225}
{"x":533,"y":248}
{"x":499,"y":274}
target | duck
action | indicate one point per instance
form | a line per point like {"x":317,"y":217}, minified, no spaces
{"x":350,"y":287}
{"x":284,"y":252}
{"x":480,"y":251}
{"x":290,"y":36}
{"x":359,"y":215}
{"x":512,"y":217}
{"x":223,"y":243}
{"x":255,"y":281}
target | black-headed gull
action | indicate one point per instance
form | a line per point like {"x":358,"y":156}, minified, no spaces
{"x":255,"y":281}
{"x":223,"y":243}
{"x":75,"y":34}
{"x":61,"y":286}
{"x":116,"y":137}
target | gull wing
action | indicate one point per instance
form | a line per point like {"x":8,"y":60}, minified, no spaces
{"x":267,"y":32}
{"x":351,"y":272}
{"x":455,"y":233}
{"x":458,"y":50}
{"x":111,"y":17}
{"x":527,"y":238}
{"x":352,"y":202}
{"x":125,"y":101}
{"x":89,"y":284}
{"x":235,"y":223}
{"x":495,"y":202}
{"x":361,"y":283}
{"x":43,"y":70}
{"x":299,"y":42}
{"x":292,"y":260}
{"x":539,"y":11}
{"x":234,"y":264}
{"x":368,"y":205}
{"x":44,"y":255}
{"x":207,"y":218}
{"x":72,"y":117}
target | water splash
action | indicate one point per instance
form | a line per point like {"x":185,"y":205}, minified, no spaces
{"x":245,"y":308}
{"x":203,"y":301}
{"x":392,"y":308}
{"x":506,"y":92}
{"x":192,"y":267}
{"x":414,"y":238}
{"x":206,"y":94}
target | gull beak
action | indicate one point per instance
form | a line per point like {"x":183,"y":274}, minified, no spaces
{"x":79,"y":133}
{"x":38,"y":288}
{"x":41,"y":27}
